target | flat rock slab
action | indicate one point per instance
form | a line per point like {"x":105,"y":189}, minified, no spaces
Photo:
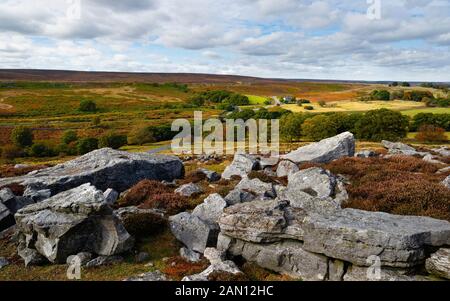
{"x":439,"y":263}
{"x":105,"y":168}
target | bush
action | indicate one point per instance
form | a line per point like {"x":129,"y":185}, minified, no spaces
{"x":144,"y":224}
{"x":88,"y":106}
{"x":113,"y":141}
{"x":41,"y":150}
{"x":291,"y":126}
{"x":22,"y":137}
{"x":417,"y":95}
{"x":142,"y":192}
{"x":431,"y":133}
{"x":382,"y":124}
{"x":439,"y":120}
{"x":151,"y":134}
{"x":171,"y":203}
{"x":69,"y":137}
{"x":87,"y":145}
{"x":10,"y":152}
{"x":309,"y":108}
{"x":380,"y":95}
{"x":319,"y":127}
{"x":322,"y":103}
{"x":67,"y":149}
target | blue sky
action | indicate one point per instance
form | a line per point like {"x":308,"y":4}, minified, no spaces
{"x":328,"y":39}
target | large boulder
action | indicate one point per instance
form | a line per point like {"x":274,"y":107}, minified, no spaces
{"x":286,"y":168}
{"x":74,"y":221}
{"x":104,"y":168}
{"x":439,"y":263}
{"x":211,"y":210}
{"x":241,"y":166}
{"x":6,"y":218}
{"x":257,"y":188}
{"x":398,"y":148}
{"x":325,"y":151}
{"x":189,"y":190}
{"x":443,"y":151}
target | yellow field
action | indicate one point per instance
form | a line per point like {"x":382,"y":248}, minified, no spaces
{"x":357,"y":106}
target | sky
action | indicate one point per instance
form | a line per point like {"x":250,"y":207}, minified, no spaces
{"x":403,"y":40}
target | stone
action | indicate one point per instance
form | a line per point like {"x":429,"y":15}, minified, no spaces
{"x":74,"y":221}
{"x":142,"y":257}
{"x":194,"y":233}
{"x":268,"y":162}
{"x":356,"y":273}
{"x":111,"y":196}
{"x":21,"y":166}
{"x":325,"y":151}
{"x":286,"y":168}
{"x":31,"y":257}
{"x":269,"y":172}
{"x":104,"y":168}
{"x":237,"y":196}
{"x":82,"y":258}
{"x":211,"y":176}
{"x":211,"y":210}
{"x":241,"y":166}
{"x":366,"y":154}
{"x":3,"y":262}
{"x":149,"y":277}
{"x":443,"y":170}
{"x":6,"y":218}
{"x":446,"y":182}
{"x":439,"y":263}
{"x":218,"y":264}
{"x":443,"y":151}
{"x":432,"y":159}
{"x":6,"y":195}
{"x":104,"y":261}
{"x":37,"y":195}
{"x":189,"y":190}
{"x":257,"y":187}
{"x":125,"y":212}
{"x":399,"y":148}
{"x":190,"y":255}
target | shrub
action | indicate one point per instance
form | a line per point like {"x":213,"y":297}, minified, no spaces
{"x":142,"y":192}
{"x":88,"y":106}
{"x":194,"y":177}
{"x":171,"y":203}
{"x":291,"y":126}
{"x":41,"y":150}
{"x":309,"y":108}
{"x":113,"y":141}
{"x":380,"y":95}
{"x":319,"y":127}
{"x":417,"y":95}
{"x":382,"y":124}
{"x":144,"y":224}
{"x":96,"y":121}
{"x":67,"y":149}
{"x":69,"y":137}
{"x":87,"y":145}
{"x":439,"y":120}
{"x":22,"y":137}
{"x":10,"y":152}
{"x":322,"y":103}
{"x":431,"y":133}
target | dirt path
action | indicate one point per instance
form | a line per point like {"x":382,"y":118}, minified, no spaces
{"x":4,"y":106}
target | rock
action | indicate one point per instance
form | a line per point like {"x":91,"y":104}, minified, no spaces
{"x":443,"y":151}
{"x":37,"y":195}
{"x":194,"y":233}
{"x":217,"y":265}
{"x":189,"y":255}
{"x":432,"y":159}
{"x":439,"y":263}
{"x":74,"y":221}
{"x":257,"y":187}
{"x":11,"y":202}
{"x":211,"y":210}
{"x":6,"y":195}
{"x":211,"y":176}
{"x":104,"y":260}
{"x":104,"y":168}
{"x":149,"y":277}
{"x":366,"y":154}
{"x":269,"y":172}
{"x":111,"y":196}
{"x":286,"y":168}
{"x":348,"y":235}
{"x":82,"y":258}
{"x":446,"y":182}
{"x":356,"y":273}
{"x":3,"y":262}
{"x":125,"y":212}
{"x":324,"y":151}
{"x":142,"y":257}
{"x":268,"y":162}
{"x":6,"y":218}
{"x":237,"y":196}
{"x":21,"y":166}
{"x":401,"y":149}
{"x":443,"y":170}
{"x":241,"y":166}
{"x":31,"y":257}
{"x":189,"y":190}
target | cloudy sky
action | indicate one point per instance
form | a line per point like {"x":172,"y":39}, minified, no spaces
{"x":329,"y":39}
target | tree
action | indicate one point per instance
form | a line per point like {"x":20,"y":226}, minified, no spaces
{"x":380,"y":95}
{"x":382,"y":124}
{"x":87,"y":145}
{"x":431,"y":133}
{"x":113,"y":141}
{"x":69,"y":137}
{"x":41,"y":150}
{"x":22,"y":137}
{"x":395,"y":84}
{"x":319,"y":127}
{"x":291,"y":126}
{"x":88,"y":106}
{"x":406,"y":84}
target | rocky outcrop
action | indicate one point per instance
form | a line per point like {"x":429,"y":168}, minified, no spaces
{"x":189,"y":190}
{"x":439,"y":263}
{"x":241,"y":166}
{"x":6,"y":218}
{"x":9,"y":205}
{"x":74,"y":221}
{"x":104,"y":168}
{"x":325,"y":151}
{"x":366,"y":154}
{"x":237,"y":196}
{"x":286,"y":168}
{"x":398,"y":148}
{"x":257,"y":188}
{"x":210,"y":175}
{"x":81,"y":258}
{"x":211,"y":210}
{"x":190,"y":255}
{"x":442,"y":151}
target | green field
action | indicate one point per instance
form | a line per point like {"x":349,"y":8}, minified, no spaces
{"x":427,"y":110}
{"x":257,"y":100}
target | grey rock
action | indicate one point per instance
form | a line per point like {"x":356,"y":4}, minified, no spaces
{"x":286,"y":168}
{"x":317,"y":182}
{"x":6,"y":195}
{"x":77,"y":220}
{"x":142,"y":257}
{"x":211,"y":210}
{"x":111,"y":196}
{"x":443,"y":170}
{"x":3,"y":262}
{"x":211,"y":176}
{"x":398,"y":148}
{"x":190,"y":255}
{"x":104,"y":261}
{"x":446,"y":182}
{"x":257,"y":187}
{"x":6,"y":218}
{"x":218,"y":264}
{"x":81,"y":258}
{"x":37,"y":195}
{"x":125,"y":212}
{"x":241,"y":166}
{"x":366,"y":154}
{"x":31,"y":257}
{"x":443,"y":151}
{"x":268,"y":162}
{"x":432,"y":159}
{"x":149,"y":277}
{"x":439,"y":263}
{"x":189,"y":190}
{"x":104,"y":168}
{"x":194,"y":233}
{"x":356,"y":273}
{"x":269,"y":172}
{"x":324,"y":151}
{"x":237,"y":196}
{"x":21,"y":166}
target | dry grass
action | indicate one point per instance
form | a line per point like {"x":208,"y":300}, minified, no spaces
{"x":176,"y":268}
{"x":142,"y":192}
